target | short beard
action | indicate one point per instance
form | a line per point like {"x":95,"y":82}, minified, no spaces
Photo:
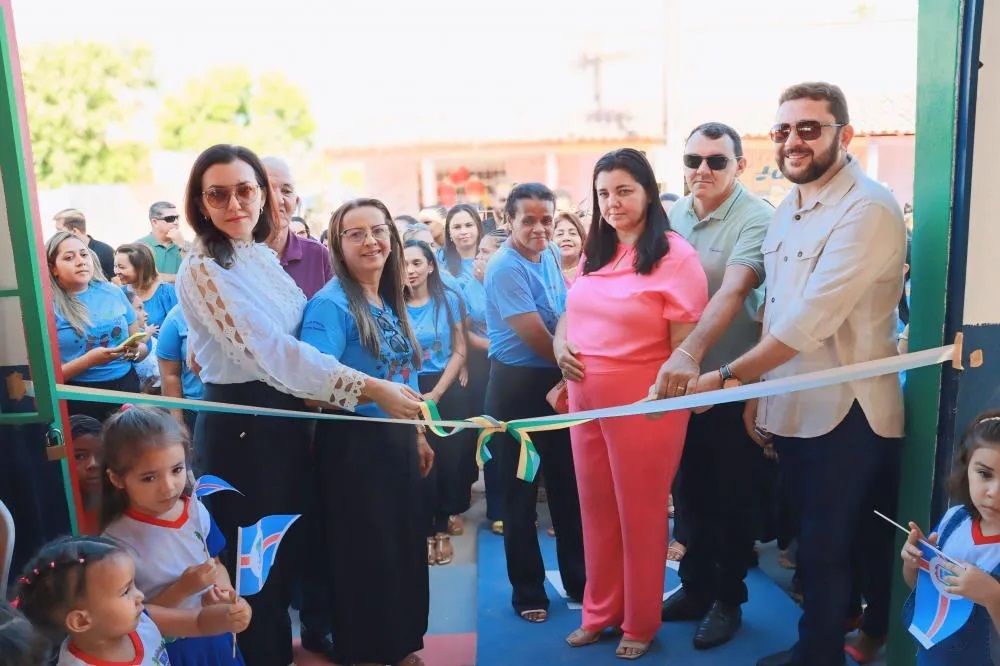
{"x":820,"y":164}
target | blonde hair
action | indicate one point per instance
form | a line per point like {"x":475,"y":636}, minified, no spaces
{"x":71,"y":308}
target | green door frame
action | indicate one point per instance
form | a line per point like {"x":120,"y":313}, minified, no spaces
{"x":18,"y":178}
{"x":939,"y":41}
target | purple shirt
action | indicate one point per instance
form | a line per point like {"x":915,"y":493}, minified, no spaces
{"x":307,"y":262}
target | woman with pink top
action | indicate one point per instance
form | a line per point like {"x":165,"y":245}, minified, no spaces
{"x":640,"y":292}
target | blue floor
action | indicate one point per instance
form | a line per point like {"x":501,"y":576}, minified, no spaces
{"x":769,"y":623}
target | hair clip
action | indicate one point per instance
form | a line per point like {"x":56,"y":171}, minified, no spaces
{"x":127,"y":406}
{"x":16,"y":602}
{"x":988,"y":419}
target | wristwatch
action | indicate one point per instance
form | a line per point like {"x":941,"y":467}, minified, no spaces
{"x":729,"y":380}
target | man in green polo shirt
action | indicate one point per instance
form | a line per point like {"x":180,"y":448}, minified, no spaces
{"x":165,"y":239}
{"x":726,"y":224}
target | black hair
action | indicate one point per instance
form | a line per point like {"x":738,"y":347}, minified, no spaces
{"x":983,"y":431}
{"x":81,"y":425}
{"x":302,"y":220}
{"x":602,"y":240}
{"x":408,"y":220}
{"x":436,"y":287}
{"x":127,"y":434}
{"x":56,"y":579}
{"x":521,"y":191}
{"x":714,"y":130}
{"x":20,"y":643}
{"x":451,"y":255}
{"x":218,"y":245}
{"x":323,"y":236}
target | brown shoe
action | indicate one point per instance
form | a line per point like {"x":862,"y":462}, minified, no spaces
{"x":432,"y":551}
{"x":456,"y":526}
{"x":445,"y":551}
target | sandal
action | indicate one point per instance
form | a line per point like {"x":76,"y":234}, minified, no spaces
{"x":445,"y":552}
{"x":675,"y":551}
{"x":456,"y":526}
{"x":581,"y":637}
{"x":535,"y":616}
{"x":432,"y":553}
{"x":497,"y":527}
{"x":631,"y":649}
{"x":784,"y":561}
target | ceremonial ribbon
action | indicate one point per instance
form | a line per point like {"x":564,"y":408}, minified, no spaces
{"x":520,"y":429}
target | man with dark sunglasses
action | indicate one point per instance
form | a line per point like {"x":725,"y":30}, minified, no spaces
{"x":834,"y":259}
{"x":726,"y":224}
{"x":165,"y":239}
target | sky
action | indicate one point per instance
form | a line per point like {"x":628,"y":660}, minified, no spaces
{"x":380,"y":70}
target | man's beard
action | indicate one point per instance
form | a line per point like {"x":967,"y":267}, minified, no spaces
{"x":819,"y":165}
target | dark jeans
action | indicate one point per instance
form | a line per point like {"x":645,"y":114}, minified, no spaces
{"x":447,"y":490}
{"x":514,"y":393}
{"x":479,"y":374}
{"x":129,"y":382}
{"x":874,"y":551}
{"x":830,"y":479}
{"x":717,"y":498}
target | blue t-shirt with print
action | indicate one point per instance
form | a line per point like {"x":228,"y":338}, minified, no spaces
{"x":110,"y":315}
{"x":517,"y":286}
{"x":329,"y":326}
{"x":172,"y":346}
{"x":159,"y":304}
{"x":433,"y":332}
{"x":474,"y":294}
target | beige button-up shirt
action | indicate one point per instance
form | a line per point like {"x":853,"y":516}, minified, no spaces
{"x":834,"y":268}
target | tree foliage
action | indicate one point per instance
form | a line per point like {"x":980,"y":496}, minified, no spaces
{"x":81,"y":99}
{"x":268,"y":114}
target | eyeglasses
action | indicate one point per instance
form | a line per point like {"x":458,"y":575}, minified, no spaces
{"x":807,"y":130}
{"x":169,"y":219}
{"x":715,"y":162}
{"x":391,"y":333}
{"x":219,"y":197}
{"x":359,"y":235}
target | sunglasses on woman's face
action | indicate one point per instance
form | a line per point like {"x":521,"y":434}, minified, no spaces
{"x":715,"y":162}
{"x":219,"y":197}
{"x":807,"y":130}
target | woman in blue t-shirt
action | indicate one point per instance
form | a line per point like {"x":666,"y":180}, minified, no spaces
{"x":525,"y":296}
{"x":436,"y":314}
{"x":135,"y":268}
{"x":477,"y":364}
{"x":369,"y":472}
{"x":463,"y":229}
{"x":93,"y":317}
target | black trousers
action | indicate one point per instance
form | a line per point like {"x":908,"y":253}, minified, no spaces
{"x":717,"y":498}
{"x":369,"y":479}
{"x":519,"y":392}
{"x":447,"y":489}
{"x":128,"y":382}
{"x":267,"y":459}
{"x":830,"y":479}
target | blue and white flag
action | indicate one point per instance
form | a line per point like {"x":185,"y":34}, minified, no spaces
{"x":209,"y":485}
{"x":258,"y":545}
{"x":937,"y":612}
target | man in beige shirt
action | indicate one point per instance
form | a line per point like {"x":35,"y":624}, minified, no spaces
{"x":833,"y":259}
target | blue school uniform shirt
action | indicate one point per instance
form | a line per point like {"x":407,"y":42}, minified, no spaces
{"x":159,"y":304}
{"x":474,"y":294}
{"x":172,"y":346}
{"x":977,"y":641}
{"x":465,"y":271}
{"x":110,"y":316}
{"x":433,"y":332}
{"x":329,"y":326}
{"x":516,"y":286}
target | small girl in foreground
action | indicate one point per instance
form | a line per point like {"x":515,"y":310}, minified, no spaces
{"x":147,"y":506}
{"x":968,"y":533}
{"x":81,"y":591}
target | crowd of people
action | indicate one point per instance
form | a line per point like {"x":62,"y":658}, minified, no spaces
{"x":522,"y":312}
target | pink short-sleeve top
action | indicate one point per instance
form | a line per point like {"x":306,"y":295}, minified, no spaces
{"x":616,"y":314}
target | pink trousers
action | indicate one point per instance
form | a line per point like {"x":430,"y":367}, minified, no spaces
{"x":624,"y":469}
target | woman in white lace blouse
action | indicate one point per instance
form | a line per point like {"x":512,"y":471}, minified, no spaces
{"x":244,"y":313}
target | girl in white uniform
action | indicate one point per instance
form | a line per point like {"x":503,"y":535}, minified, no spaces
{"x":147,"y":506}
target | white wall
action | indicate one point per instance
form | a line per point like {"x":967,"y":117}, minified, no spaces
{"x":982,"y":297}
